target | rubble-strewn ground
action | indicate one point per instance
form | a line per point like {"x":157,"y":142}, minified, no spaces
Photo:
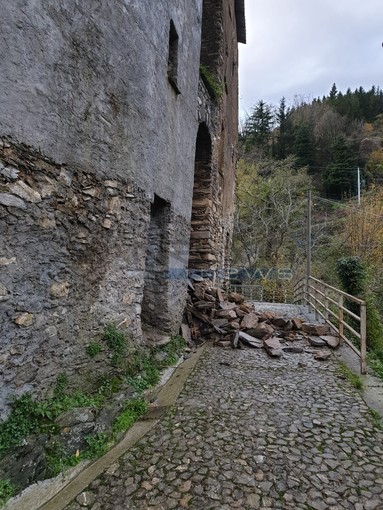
{"x":253,"y":432}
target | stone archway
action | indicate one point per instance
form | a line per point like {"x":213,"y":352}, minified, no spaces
{"x":201,"y":243}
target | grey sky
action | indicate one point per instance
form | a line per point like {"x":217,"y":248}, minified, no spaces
{"x":301,"y":47}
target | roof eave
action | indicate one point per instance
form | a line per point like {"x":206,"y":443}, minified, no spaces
{"x":240,"y":20}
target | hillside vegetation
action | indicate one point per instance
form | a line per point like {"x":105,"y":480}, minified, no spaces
{"x":320,"y":145}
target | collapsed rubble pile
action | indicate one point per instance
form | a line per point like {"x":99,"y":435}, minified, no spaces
{"x":231,"y":322}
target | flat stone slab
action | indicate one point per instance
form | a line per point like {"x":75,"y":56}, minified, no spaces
{"x":249,"y":321}
{"x":294,"y":349}
{"x":316,"y":342}
{"x":322,"y":355}
{"x":315,"y":329}
{"x":331,"y":341}
{"x":273,"y":347}
{"x":250,"y":340}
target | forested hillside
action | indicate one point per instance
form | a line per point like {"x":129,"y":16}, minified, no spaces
{"x":317,"y":145}
{"x":332,"y":136}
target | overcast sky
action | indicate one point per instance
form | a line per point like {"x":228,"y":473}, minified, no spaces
{"x":301,"y":47}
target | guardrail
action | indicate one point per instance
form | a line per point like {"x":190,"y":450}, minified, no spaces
{"x":253,"y":292}
{"x":324,"y":300}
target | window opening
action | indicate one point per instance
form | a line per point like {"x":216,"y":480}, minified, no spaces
{"x":173,"y":57}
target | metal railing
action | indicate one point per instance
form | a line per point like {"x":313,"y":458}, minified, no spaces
{"x":253,"y":292}
{"x":329,"y":303}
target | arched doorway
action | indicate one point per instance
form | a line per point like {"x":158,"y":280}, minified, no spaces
{"x":201,"y":244}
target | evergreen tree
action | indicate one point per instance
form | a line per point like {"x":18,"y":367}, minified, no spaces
{"x":333,"y":93}
{"x":258,"y":127}
{"x":304,"y":145}
{"x":340,"y":174}
{"x":285,"y":135}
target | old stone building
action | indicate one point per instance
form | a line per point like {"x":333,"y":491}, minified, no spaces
{"x":118,"y":129}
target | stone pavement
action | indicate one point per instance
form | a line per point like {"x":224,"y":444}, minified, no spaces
{"x":250,"y":432}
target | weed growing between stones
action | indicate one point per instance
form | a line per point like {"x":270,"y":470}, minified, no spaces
{"x":375,"y":418}
{"x":93,"y":349}
{"x":116,"y":342}
{"x":62,"y":383}
{"x":97,"y":445}
{"x":376,"y":363}
{"x":7,"y":490}
{"x":58,"y":460}
{"x":31,"y":416}
{"x":138,"y":369}
{"x":211,"y":82}
{"x":354,"y":379}
{"x":133,"y":410}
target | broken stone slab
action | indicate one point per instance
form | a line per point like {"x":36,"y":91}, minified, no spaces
{"x":316,"y":329}
{"x":297,"y":324}
{"x":220,"y":295}
{"x":246,"y":307}
{"x":288,"y":336}
{"x":331,"y":341}
{"x":294,"y":349}
{"x":186,"y":334}
{"x":249,"y":321}
{"x":280,"y":322}
{"x":273,"y":347}
{"x":250,"y":340}
{"x":262,"y":330}
{"x":316,"y":342}
{"x":322,"y":355}
{"x":219,"y":322}
{"x":226,"y":314}
{"x":266,"y":316}
{"x":236,"y":298}
{"x":224,"y":305}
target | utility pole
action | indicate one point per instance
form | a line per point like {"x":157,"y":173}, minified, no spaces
{"x":308,"y":249}
{"x":358,"y":186}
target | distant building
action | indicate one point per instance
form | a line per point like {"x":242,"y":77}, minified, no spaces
{"x":118,"y":132}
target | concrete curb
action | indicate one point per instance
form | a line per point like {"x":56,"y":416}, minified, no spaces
{"x":57,"y":493}
{"x":372,"y":392}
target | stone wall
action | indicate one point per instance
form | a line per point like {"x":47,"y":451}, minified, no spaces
{"x":100,"y":107}
{"x":213,"y":198}
{"x":73,"y":251}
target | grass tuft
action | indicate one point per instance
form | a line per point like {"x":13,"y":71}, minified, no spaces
{"x":354,"y":379}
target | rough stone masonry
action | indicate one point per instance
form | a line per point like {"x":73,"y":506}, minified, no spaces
{"x":103,"y":114}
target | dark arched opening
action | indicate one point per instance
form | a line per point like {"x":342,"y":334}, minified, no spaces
{"x":200,"y":253}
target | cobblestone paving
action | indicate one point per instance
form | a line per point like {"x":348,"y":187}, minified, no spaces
{"x":250,"y":432}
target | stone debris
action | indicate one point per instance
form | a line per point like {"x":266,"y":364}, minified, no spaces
{"x":322,"y":355}
{"x":229,"y":321}
{"x":331,"y":341}
{"x":316,"y":342}
{"x":316,"y":329}
{"x":273,"y":347}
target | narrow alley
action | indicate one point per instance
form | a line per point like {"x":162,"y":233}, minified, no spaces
{"x":252,"y":432}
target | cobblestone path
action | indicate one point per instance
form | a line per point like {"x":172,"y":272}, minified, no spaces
{"x":250,"y":432}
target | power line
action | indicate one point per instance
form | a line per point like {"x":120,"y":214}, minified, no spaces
{"x":348,"y":206}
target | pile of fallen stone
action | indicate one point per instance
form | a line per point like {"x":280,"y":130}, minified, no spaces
{"x":231,"y":322}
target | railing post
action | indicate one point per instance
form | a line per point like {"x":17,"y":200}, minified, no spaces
{"x":363,"y":339}
{"x":315,"y":299}
{"x":340,"y":318}
{"x":325,"y":302}
{"x":308,"y":294}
